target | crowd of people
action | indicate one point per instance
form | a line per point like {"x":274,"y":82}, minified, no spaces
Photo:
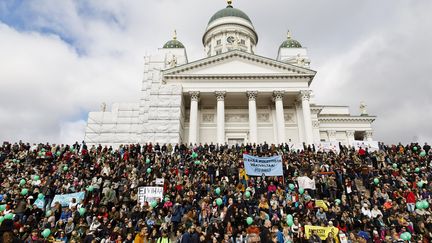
{"x":358,"y":195}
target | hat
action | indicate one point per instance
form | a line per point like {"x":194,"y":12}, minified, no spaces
{"x":363,"y":235}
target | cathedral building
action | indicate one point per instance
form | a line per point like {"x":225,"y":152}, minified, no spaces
{"x":232,"y":95}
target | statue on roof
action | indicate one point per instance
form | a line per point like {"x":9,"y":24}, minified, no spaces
{"x":363,"y":109}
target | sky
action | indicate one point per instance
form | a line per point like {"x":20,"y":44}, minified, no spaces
{"x":61,"y":59}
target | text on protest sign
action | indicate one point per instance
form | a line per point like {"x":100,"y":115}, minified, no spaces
{"x":65,"y":199}
{"x":322,"y":232}
{"x":257,"y":166}
{"x":149,"y":194}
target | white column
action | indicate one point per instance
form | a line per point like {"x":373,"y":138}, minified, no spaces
{"x":193,"y":118}
{"x":350,"y":136}
{"x":253,"y":127}
{"x":299,"y":120}
{"x":220,"y":96}
{"x":369,"y":136}
{"x":305,"y":96}
{"x":280,"y":118}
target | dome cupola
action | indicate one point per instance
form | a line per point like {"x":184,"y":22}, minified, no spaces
{"x":229,"y":29}
{"x":174,"y":43}
{"x":290,"y":42}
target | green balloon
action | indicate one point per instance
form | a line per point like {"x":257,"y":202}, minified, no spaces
{"x":406,"y":236}
{"x":65,"y":168}
{"x":219,"y":201}
{"x":337,"y":201}
{"x":48,"y":213}
{"x":90,"y":188}
{"x":218,"y":191}
{"x":417,"y":170}
{"x":82,"y":211}
{"x":149,"y":170}
{"x":153,"y":204}
{"x":197,"y":162}
{"x":36,"y":177}
{"x":147,"y":160}
{"x":166,"y":199}
{"x":415,"y":148}
{"x":290,"y":220}
{"x":420,"y":184}
{"x":419,"y":205}
{"x":1,"y":219}
{"x":9,"y":216}
{"x":2,"y":207}
{"x":24,"y":191}
{"x":194,"y":155}
{"x":291,"y":186}
{"x":41,"y":196}
{"x":249,"y":220}
{"x":376,"y":181}
{"x":22,"y":182}
{"x":46,"y":233}
{"x":394,"y":165}
{"x":423,"y":153}
{"x":58,"y":153}
{"x":247,"y":194}
{"x":424,"y":204}
{"x":301,"y":191}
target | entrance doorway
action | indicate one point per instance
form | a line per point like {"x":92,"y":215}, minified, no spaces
{"x":234,"y":141}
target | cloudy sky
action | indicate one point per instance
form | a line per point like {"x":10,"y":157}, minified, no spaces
{"x":61,"y":59}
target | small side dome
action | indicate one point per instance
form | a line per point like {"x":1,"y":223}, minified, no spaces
{"x":174,"y":43}
{"x":290,"y":42}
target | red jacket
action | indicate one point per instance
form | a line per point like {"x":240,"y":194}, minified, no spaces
{"x":410,"y":197}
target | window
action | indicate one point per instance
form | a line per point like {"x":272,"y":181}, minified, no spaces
{"x":243,"y":42}
{"x":218,"y":42}
{"x":218,"y":52}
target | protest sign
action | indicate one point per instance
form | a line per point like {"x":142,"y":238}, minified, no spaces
{"x":65,"y":199}
{"x":149,"y":194}
{"x":327,"y":147}
{"x":159,"y":181}
{"x":322,"y":232}
{"x":370,"y":145}
{"x":257,"y":166}
{"x":39,"y":203}
{"x":306,"y":183}
{"x":321,"y":204}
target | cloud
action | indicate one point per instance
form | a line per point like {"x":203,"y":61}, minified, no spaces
{"x":62,"y":59}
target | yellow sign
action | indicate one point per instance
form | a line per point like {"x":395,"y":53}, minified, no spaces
{"x":322,"y":232}
{"x":321,"y":204}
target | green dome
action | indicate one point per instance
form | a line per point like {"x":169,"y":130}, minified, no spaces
{"x":229,"y":11}
{"x":173,"y":44}
{"x":290,"y":43}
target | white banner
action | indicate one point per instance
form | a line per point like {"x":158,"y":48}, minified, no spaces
{"x":370,"y":145}
{"x":160,"y":181}
{"x":149,"y":194}
{"x":327,"y":147}
{"x":306,"y":183}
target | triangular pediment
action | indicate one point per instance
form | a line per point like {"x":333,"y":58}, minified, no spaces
{"x":238,"y":63}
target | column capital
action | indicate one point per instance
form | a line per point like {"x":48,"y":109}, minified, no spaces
{"x":331,"y":133}
{"x":350,"y":133}
{"x":194,"y":95}
{"x":252,"y":95}
{"x":305,"y":94}
{"x":220,"y":95}
{"x":278,"y":95}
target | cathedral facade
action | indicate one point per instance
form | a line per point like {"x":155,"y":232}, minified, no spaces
{"x":233,"y":95}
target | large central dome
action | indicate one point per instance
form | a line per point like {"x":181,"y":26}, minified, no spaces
{"x":229,"y":29}
{"x":229,"y":11}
